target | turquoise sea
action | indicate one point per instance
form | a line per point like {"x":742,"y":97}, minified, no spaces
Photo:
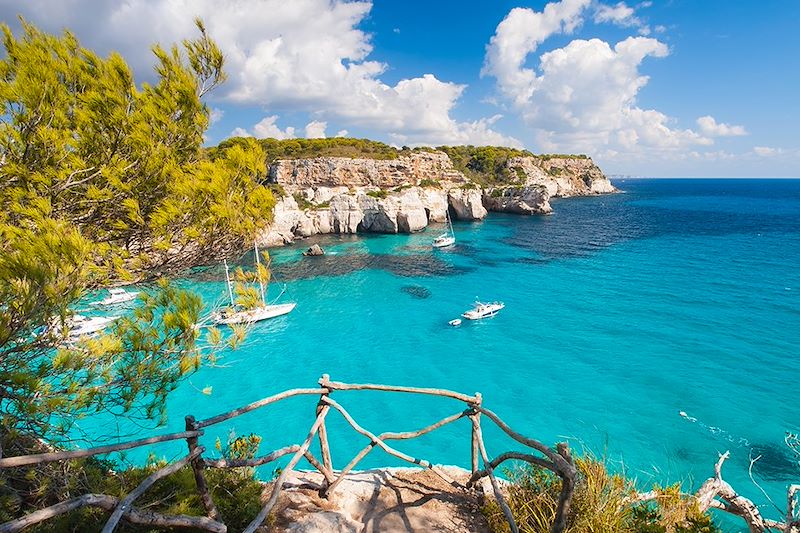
{"x":621,"y":312}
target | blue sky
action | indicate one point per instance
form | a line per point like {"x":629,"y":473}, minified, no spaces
{"x":661,"y":88}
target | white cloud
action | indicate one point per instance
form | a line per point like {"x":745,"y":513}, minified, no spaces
{"x":709,"y":126}
{"x":766,"y":151}
{"x":583,"y":97}
{"x":316,"y":129}
{"x":215,"y":115}
{"x":518,"y":35}
{"x":240,"y":132}
{"x":342,"y":133}
{"x":621,"y":15}
{"x":303,"y":55}
{"x":266,"y":127}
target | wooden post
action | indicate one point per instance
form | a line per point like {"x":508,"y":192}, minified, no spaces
{"x":476,"y":424}
{"x":197,"y":466}
{"x":323,"y":433}
{"x":567,"y":488}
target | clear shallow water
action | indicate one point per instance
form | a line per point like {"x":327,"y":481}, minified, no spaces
{"x":622,"y":311}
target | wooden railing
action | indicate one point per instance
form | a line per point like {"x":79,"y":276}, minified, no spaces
{"x":714,"y":493}
{"x":558,"y":461}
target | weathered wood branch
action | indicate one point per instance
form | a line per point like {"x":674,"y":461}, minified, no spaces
{"x":498,"y":493}
{"x":276,"y":489}
{"x":567,"y":488}
{"x":257,"y":461}
{"x":503,"y":457}
{"x":103,"y":501}
{"x":557,"y":460}
{"x":335,"y":385}
{"x":49,"y":457}
{"x":125,"y":503}
{"x":199,"y":476}
{"x":255,"y":405}
{"x":374,"y":438}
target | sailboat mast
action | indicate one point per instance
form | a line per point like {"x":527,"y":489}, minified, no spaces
{"x":260,"y":281}
{"x":450,"y":222}
{"x":228,"y":279}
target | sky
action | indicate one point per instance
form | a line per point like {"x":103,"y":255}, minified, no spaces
{"x":675,"y":88}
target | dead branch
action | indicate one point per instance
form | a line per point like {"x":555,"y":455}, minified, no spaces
{"x":258,"y":461}
{"x":126,"y":502}
{"x":276,"y":489}
{"x":103,"y":501}
{"x":255,"y":405}
{"x":498,"y":494}
{"x":25,"y":460}
{"x":335,"y":385}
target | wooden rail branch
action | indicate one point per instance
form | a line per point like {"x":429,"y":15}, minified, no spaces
{"x":276,"y":489}
{"x":199,"y":477}
{"x":255,"y":405}
{"x":108,"y":503}
{"x":335,"y":385}
{"x":374,"y":438}
{"x":498,"y":493}
{"x":257,"y":461}
{"x":125,"y":503}
{"x":558,"y":460}
{"x":503,"y":457}
{"x":49,"y":457}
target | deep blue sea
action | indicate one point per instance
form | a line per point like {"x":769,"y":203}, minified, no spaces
{"x":621,"y":312}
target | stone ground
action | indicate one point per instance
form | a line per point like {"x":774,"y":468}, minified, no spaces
{"x":385,"y":500}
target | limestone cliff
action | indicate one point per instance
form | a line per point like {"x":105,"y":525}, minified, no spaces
{"x":403,"y":195}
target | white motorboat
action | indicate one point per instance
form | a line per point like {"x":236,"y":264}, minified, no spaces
{"x":231,"y":315}
{"x":447,"y":238}
{"x":455,"y":322}
{"x":482,"y":310}
{"x":80,"y":325}
{"x":117,"y":296}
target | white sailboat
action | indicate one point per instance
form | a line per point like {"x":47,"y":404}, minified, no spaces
{"x":447,"y":238}
{"x":231,"y":315}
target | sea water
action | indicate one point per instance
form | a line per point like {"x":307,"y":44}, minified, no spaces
{"x":654,"y":328}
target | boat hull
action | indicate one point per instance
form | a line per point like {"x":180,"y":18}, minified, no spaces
{"x":255,"y":315}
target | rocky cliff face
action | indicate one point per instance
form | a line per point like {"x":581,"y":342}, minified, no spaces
{"x":404,"y":195}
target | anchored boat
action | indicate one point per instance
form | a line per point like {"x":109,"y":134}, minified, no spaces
{"x":232,"y":315}
{"x":447,"y":238}
{"x":117,"y":296}
{"x":483,"y":310}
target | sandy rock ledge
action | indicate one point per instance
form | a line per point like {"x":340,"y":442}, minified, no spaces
{"x":387,"y":499}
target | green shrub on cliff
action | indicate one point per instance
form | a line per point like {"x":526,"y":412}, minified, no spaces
{"x":275,"y":149}
{"x":484,"y":164}
{"x":600,"y":503}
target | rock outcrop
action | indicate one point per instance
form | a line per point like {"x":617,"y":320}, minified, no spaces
{"x":403,"y":195}
{"x":387,"y":499}
{"x":525,"y":200}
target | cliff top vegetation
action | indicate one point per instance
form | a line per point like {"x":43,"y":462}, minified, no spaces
{"x":485,"y":165}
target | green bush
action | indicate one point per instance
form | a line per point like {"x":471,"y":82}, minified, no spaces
{"x":302,"y":203}
{"x":599,"y":503}
{"x":427,"y":182}
{"x":236,"y":493}
{"x":380,"y":194}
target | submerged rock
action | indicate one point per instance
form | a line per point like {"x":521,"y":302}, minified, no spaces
{"x":417,"y":291}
